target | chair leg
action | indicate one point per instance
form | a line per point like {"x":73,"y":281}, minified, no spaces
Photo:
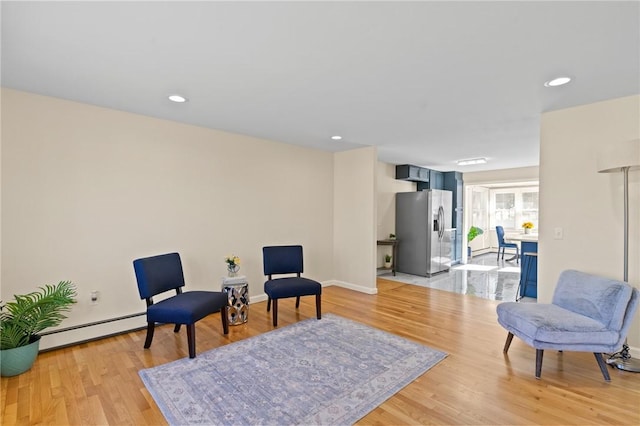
{"x":150,"y":329}
{"x":603,"y":366}
{"x":318,"y":306}
{"x":498,"y":253}
{"x":539,"y":353}
{"x":297,"y":302}
{"x":224,"y":314}
{"x":268,"y":304}
{"x":191,"y":339}
{"x":508,"y":342}
{"x":275,"y":312}
{"x":176,"y":328}
{"x":517,"y":256}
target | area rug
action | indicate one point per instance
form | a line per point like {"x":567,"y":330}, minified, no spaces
{"x":331,"y":371}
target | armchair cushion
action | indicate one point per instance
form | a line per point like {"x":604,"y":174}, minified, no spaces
{"x":281,"y":288}
{"x":186,"y":308}
{"x":545,"y":325}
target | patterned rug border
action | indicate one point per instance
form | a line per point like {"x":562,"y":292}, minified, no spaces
{"x":348,"y":409}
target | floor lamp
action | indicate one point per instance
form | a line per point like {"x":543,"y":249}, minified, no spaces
{"x":622,"y":158}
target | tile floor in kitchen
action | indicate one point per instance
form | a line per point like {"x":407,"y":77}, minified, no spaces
{"x":484,"y":277}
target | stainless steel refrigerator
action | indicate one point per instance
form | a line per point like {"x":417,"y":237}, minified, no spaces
{"x":424,"y":233}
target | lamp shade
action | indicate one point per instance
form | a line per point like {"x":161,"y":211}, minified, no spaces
{"x":618,"y":155}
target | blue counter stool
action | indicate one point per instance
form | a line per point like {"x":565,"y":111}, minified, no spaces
{"x":528,"y":286}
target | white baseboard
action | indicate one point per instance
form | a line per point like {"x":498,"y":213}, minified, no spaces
{"x":482,"y":251}
{"x":259,"y":298}
{"x":79,"y":335}
{"x":350,"y":286}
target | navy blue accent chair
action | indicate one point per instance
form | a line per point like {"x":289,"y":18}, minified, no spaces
{"x":502,"y":245}
{"x":162,"y":273}
{"x":287,"y":260}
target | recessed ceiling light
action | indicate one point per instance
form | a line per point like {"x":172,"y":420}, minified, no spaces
{"x":471,"y":161}
{"x":558,"y":81}
{"x":177,"y":98}
{"x":336,"y":137}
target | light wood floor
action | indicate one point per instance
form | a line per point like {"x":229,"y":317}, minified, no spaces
{"x":98,"y":382}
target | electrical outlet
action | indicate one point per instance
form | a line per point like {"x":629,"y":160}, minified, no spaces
{"x":94,"y":297}
{"x":557,"y":233}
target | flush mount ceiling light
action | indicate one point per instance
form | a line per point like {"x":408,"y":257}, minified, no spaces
{"x":558,"y":81}
{"x":471,"y":161}
{"x":177,"y":98}
{"x":336,"y":137}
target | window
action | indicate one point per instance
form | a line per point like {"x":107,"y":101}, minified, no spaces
{"x":480,"y":217}
{"x":530,"y":208}
{"x":505,"y":210}
{"x":511,"y":207}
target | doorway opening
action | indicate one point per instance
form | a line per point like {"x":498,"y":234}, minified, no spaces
{"x":508,"y":204}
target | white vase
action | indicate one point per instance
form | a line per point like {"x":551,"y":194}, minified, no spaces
{"x":527,"y":230}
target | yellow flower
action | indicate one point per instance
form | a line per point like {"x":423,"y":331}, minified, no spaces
{"x":527,"y":225}
{"x":232,"y":260}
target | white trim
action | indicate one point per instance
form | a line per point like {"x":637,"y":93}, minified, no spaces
{"x":350,"y":286}
{"x":259,"y":298}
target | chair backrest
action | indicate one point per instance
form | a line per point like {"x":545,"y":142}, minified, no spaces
{"x":500,"y":232}
{"x":282,"y":260}
{"x":634,"y":302}
{"x":602,"y":299}
{"x":157,"y":274}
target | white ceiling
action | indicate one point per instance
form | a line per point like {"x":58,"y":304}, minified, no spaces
{"x":428,"y":83}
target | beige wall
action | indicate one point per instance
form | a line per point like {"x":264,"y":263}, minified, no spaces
{"x":355,"y":218}
{"x":521,"y":174}
{"x":587,"y":205}
{"x":85,"y":190}
{"x":386,"y":188}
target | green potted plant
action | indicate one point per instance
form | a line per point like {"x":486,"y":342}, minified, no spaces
{"x":387,"y":261}
{"x":474,"y":231}
{"x":25,"y":317}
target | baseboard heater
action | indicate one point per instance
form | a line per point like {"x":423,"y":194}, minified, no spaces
{"x":92,"y":324}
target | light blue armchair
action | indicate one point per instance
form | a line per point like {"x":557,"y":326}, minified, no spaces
{"x":588,"y":314}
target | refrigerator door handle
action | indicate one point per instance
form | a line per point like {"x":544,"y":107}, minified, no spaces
{"x":440,"y":223}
